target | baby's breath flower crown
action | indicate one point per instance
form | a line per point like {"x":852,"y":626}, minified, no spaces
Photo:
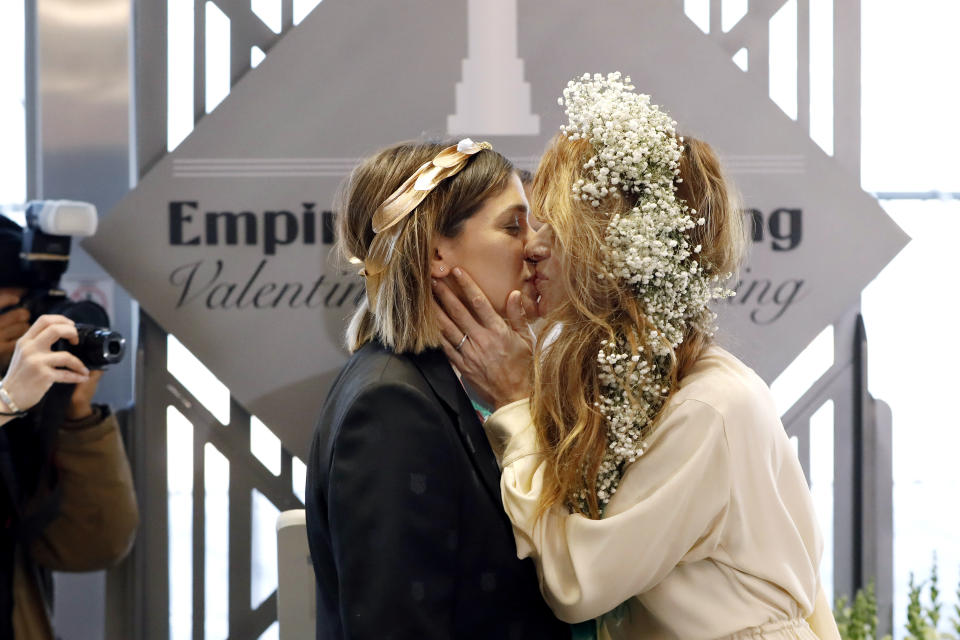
{"x":637,"y":152}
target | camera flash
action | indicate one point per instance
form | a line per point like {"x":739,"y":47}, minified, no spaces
{"x":67,"y":218}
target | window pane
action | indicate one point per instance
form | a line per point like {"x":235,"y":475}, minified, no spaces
{"x":13,"y":160}
{"x":263,"y":548}
{"x":180,"y":522}
{"x":198,"y":380}
{"x":265,"y":445}
{"x":179,"y":71}
{"x":821,"y":486}
{"x":909,"y":95}
{"x":908,"y":311}
{"x":216,"y":485}
{"x":783,"y":58}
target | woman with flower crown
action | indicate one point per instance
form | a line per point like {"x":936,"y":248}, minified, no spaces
{"x":644,"y":468}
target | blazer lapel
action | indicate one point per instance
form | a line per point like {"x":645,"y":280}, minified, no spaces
{"x":444,"y":382}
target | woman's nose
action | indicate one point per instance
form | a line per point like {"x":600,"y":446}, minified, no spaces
{"x":538,"y":246}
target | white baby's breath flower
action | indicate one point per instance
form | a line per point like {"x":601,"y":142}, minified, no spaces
{"x":636,"y":150}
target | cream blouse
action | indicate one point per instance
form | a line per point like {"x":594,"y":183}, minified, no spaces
{"x":711,"y":533}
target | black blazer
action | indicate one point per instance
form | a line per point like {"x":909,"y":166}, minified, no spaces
{"x":406,"y":528}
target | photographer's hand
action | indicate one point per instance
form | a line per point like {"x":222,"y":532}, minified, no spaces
{"x":81,"y":402}
{"x":13,"y":324}
{"x":34,"y":367}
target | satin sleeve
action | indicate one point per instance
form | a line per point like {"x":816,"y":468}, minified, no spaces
{"x":821,"y":621}
{"x":676,"y":496}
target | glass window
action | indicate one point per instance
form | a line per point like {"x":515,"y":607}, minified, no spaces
{"x":910,"y":95}
{"x":912,"y":358}
{"x":909,"y":135}
{"x":13,"y":139}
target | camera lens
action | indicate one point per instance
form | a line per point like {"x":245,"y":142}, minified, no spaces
{"x":96,"y":347}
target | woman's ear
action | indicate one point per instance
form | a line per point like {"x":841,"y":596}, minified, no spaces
{"x":440,"y":266}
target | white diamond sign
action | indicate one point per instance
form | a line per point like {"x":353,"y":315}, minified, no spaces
{"x":226,"y":240}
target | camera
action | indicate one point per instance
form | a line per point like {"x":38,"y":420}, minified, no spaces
{"x":39,"y":262}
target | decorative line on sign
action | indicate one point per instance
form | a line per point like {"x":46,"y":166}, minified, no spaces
{"x":263,"y":167}
{"x":769,"y":163}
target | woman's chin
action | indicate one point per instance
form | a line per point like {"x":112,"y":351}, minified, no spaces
{"x":543,"y":301}
{"x":531,"y":301}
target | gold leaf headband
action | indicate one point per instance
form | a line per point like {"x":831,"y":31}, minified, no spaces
{"x":403,"y":201}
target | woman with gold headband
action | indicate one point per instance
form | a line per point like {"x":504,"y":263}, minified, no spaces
{"x":647,"y":474}
{"x":407,"y":533}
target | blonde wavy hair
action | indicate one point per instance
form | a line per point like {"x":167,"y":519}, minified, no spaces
{"x":403,"y":318}
{"x":566,"y":384}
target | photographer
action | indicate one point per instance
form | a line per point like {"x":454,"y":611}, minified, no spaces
{"x":66,"y":493}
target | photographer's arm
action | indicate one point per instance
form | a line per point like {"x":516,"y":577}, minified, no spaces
{"x":98,"y":516}
{"x":98,"y":508}
{"x":81,"y":408}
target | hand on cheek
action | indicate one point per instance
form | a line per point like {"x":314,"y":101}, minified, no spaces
{"x":492,"y":353}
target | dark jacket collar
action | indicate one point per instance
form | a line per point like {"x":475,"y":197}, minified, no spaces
{"x":435,"y":367}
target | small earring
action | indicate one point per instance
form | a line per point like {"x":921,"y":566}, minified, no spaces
{"x":442,"y":269}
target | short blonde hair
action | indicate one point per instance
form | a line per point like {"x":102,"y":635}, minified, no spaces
{"x":566,"y":383}
{"x":402,"y":318}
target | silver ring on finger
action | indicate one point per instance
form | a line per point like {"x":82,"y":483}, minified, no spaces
{"x":462,"y":341}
